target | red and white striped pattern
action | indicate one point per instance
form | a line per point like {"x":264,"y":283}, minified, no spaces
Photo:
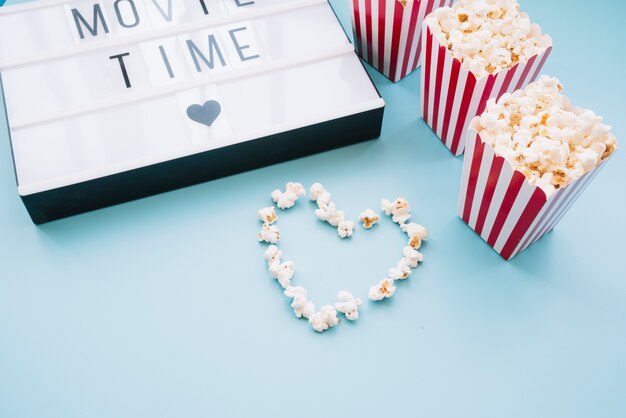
{"x":451,"y":96}
{"x":501,"y":206}
{"x":387,"y":34}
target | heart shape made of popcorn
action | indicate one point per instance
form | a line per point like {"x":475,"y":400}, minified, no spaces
{"x":326,"y":317}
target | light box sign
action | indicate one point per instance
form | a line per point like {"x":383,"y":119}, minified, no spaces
{"x":112,"y":100}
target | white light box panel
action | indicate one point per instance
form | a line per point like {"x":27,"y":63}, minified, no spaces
{"x":113,"y":100}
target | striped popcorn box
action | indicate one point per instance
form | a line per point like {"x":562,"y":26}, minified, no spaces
{"x":451,"y":95}
{"x":502,"y":206}
{"x":387,"y":33}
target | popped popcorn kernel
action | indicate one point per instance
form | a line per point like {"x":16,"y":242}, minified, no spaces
{"x":345,"y":229}
{"x":383,"y":289}
{"x":275,"y":195}
{"x":399,"y":210}
{"x":348,"y":305}
{"x":302,"y":307}
{"x":283,"y":272}
{"x":415,"y":242}
{"x":415,"y":230}
{"x":369,"y":218}
{"x":401,"y":271}
{"x":267,"y":215}
{"x":285,"y":200}
{"x":320,"y":195}
{"x":330,"y":214}
{"x":269,"y":234}
{"x":401,"y":218}
{"x":386,"y":206}
{"x":543,"y":136}
{"x":295,"y":188}
{"x":400,"y":205}
{"x":336,"y":218}
{"x":315,"y":191}
{"x":324,"y":319}
{"x":323,"y":199}
{"x":271,"y":254}
{"x":412,"y":256}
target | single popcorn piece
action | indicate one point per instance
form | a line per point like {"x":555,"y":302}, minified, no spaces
{"x":345,"y":229}
{"x":285,"y":200}
{"x":302,"y":307}
{"x":324,"y":319}
{"x":400,"y":206}
{"x":295,"y":188}
{"x":401,"y":271}
{"x":330,"y":214}
{"x":271,"y":254}
{"x":386,"y":206}
{"x":369,"y":218}
{"x":487,"y":36}
{"x":399,"y":210}
{"x":348,"y":305}
{"x":269,"y":234}
{"x":543,"y":136}
{"x":315,"y":191}
{"x":275,"y":195}
{"x":412,"y":256}
{"x":416,"y":232}
{"x":320,"y":195}
{"x":337,"y":217}
{"x":326,"y":212}
{"x":323,"y":199}
{"x":267,"y":215}
{"x":283,"y":272}
{"x":401,"y":218}
{"x":383,"y":289}
{"x":415,"y":242}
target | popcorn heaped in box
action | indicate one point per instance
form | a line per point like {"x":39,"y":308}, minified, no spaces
{"x":474,"y":51}
{"x":387,"y":33}
{"x":528,"y":158}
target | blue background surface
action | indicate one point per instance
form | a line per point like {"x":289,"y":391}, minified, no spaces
{"x":163,"y":307}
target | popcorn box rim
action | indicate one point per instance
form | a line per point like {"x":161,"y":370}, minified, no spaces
{"x":547,"y":41}
{"x":473,"y":130}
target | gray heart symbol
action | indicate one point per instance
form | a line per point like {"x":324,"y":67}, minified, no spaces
{"x":205,"y":114}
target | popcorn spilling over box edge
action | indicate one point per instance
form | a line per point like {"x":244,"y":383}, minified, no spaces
{"x":529,"y":156}
{"x":474,"y":51}
{"x":387,"y":33}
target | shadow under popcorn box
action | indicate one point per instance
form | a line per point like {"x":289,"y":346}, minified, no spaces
{"x":387,"y":33}
{"x":452,"y":96}
{"x":502,"y":206}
